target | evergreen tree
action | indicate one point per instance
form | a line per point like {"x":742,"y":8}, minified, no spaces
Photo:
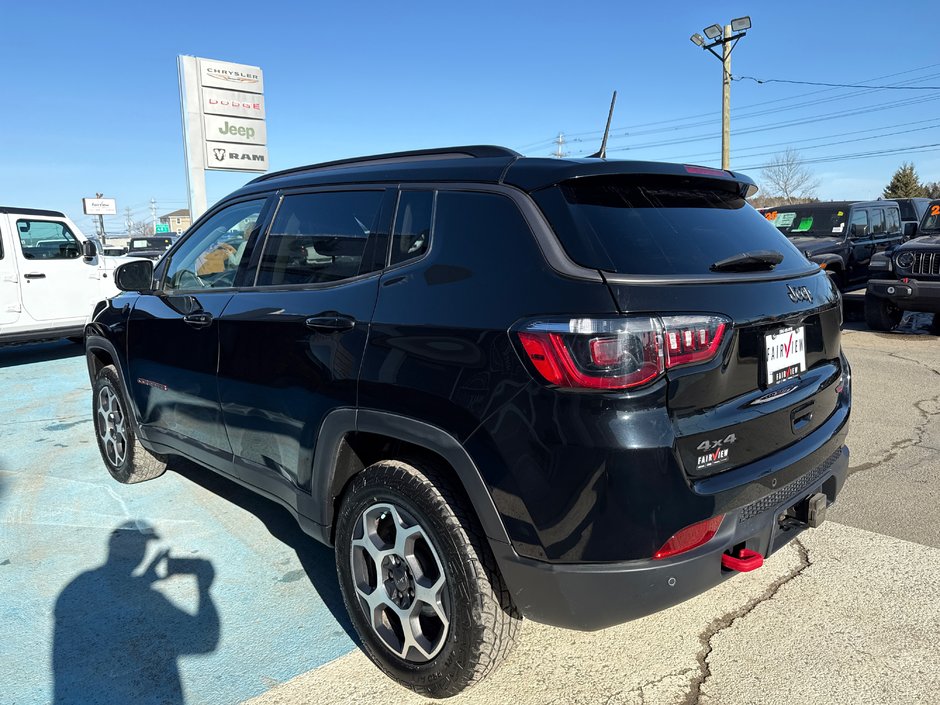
{"x":904,"y":184}
{"x":932,"y":190}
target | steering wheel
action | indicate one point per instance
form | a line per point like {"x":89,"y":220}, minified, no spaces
{"x":188,"y":280}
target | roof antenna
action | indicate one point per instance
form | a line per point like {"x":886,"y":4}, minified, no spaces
{"x":602,"y":152}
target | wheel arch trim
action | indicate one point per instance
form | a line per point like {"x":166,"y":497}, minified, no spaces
{"x":341,"y":422}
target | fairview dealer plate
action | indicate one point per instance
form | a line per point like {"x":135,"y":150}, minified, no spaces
{"x":786,"y":354}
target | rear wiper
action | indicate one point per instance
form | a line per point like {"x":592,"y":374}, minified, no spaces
{"x":748,"y":261}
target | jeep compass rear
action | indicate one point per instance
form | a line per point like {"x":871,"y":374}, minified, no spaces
{"x":577,"y":391}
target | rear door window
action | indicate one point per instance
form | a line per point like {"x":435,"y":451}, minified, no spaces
{"x":892,"y":221}
{"x":877,"y":221}
{"x":659,"y":225}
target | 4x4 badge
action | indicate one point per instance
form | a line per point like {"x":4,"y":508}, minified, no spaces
{"x":799,"y":293}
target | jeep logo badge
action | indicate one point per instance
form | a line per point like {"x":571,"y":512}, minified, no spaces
{"x":799,"y":293}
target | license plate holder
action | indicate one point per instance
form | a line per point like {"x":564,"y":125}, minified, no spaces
{"x":784,"y":354}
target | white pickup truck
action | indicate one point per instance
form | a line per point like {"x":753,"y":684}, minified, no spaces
{"x":51,"y":276}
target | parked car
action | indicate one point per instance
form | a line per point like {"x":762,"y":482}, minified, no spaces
{"x":51,"y":276}
{"x":907,"y":278}
{"x":151,"y":247}
{"x":840,"y":236}
{"x":576,"y":391}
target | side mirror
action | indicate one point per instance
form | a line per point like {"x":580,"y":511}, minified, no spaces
{"x":89,"y":250}
{"x":134,"y":276}
{"x":910,"y":230}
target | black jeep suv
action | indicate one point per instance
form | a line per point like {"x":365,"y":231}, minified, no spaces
{"x":907,"y":278}
{"x":841,"y":236}
{"x":577,"y":391}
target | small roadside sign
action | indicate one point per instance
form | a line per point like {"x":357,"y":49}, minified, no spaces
{"x":161,"y":228}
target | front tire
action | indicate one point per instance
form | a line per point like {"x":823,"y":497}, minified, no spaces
{"x":881,"y":314}
{"x":419,"y":581}
{"x":126,"y":459}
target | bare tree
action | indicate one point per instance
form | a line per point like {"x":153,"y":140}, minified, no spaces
{"x":789,"y":179}
{"x":140,"y":228}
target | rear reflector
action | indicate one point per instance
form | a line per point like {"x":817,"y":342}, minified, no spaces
{"x":690,"y":537}
{"x":619,"y":353}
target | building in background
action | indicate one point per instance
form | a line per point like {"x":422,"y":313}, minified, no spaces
{"x":179,"y":220}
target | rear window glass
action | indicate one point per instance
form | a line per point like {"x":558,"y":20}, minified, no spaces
{"x":659,"y":225}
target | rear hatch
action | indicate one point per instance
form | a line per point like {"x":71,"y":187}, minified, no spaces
{"x":753,"y":345}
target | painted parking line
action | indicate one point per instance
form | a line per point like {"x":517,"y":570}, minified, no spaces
{"x":244,"y":602}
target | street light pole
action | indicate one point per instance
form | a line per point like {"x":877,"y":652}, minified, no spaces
{"x":726,"y":100}
{"x":728,"y":38}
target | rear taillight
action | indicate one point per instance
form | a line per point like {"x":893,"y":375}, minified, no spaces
{"x":690,"y":537}
{"x":619,"y":353}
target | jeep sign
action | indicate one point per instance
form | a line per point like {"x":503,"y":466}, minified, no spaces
{"x":231,"y":129}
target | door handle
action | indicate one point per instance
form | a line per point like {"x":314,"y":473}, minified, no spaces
{"x":330,"y":324}
{"x":200,"y":319}
{"x":35,"y":275}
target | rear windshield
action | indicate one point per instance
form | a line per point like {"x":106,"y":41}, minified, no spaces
{"x":659,"y":225}
{"x":808,"y":221}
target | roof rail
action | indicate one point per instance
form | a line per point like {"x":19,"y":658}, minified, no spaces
{"x":417,"y":155}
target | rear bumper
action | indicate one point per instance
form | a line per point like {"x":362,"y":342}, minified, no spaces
{"x":910,"y":295}
{"x":590,"y":596}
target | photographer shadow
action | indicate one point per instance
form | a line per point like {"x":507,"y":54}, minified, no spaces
{"x":318,"y":561}
{"x":117,"y":638}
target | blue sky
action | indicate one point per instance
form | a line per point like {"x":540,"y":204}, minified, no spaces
{"x":92,"y":94}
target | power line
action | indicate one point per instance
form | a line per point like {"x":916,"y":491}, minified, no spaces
{"x":659,"y":124}
{"x":857,"y":155}
{"x":762,"y":81}
{"x":826,"y":144}
{"x":776,"y":126}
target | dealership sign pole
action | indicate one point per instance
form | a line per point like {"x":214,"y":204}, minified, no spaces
{"x":222,"y":106}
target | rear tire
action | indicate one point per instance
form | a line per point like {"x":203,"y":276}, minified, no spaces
{"x":126,"y":459}
{"x":419,"y":581}
{"x":881,"y":314}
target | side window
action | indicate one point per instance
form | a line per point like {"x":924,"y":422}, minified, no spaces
{"x":859,"y":223}
{"x":412,"y":234}
{"x":320,"y":237}
{"x":210,"y":255}
{"x":877,"y":221}
{"x":47,"y":239}
{"x":893,"y":221}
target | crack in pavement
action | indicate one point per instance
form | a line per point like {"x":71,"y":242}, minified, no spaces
{"x":721,"y":623}
{"x":639,"y":689}
{"x":919,"y":429}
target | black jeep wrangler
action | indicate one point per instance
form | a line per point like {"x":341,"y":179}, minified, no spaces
{"x":578,"y":391}
{"x":907,"y":278}
{"x":840,"y":236}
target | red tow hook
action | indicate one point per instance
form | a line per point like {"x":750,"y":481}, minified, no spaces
{"x":746,"y":560}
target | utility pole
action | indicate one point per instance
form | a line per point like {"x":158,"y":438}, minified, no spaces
{"x":128,"y":220}
{"x":102,"y":235}
{"x":726,"y":100}
{"x":560,"y":141}
{"x":728,"y":39}
{"x":153,"y":214}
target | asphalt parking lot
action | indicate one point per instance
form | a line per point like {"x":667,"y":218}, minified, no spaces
{"x":247,"y":608}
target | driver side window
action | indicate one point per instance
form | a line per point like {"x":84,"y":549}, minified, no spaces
{"x":210,"y":255}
